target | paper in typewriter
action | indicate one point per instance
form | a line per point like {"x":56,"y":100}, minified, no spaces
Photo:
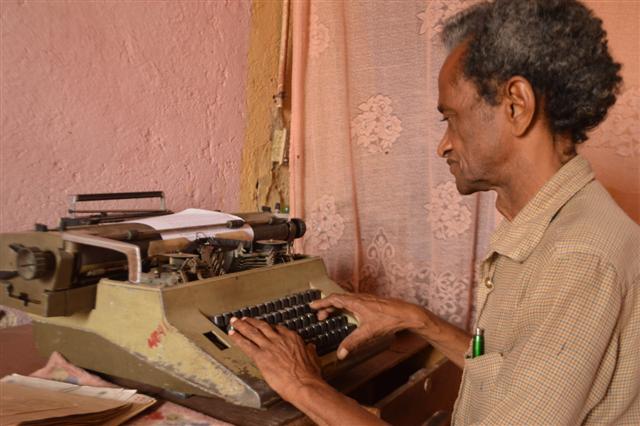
{"x":199,"y":223}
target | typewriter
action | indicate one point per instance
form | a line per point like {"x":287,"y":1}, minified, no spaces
{"x":147,"y":295}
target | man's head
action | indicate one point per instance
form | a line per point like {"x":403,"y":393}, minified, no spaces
{"x":516,"y":65}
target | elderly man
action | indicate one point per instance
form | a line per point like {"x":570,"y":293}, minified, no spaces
{"x":559,"y":299}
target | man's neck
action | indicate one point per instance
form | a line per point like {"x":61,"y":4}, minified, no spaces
{"x":528,"y":172}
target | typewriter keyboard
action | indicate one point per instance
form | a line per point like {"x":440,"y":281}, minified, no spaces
{"x":293,"y":311}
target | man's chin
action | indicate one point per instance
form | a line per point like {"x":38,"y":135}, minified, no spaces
{"x":464,"y":188}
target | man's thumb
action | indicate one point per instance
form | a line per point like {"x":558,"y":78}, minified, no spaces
{"x":352,"y":341}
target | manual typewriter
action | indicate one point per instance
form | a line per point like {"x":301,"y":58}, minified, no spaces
{"x":147,"y":295}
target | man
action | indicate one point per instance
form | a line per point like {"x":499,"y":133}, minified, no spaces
{"x":559,"y":299}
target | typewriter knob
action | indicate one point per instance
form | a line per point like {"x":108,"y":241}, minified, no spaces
{"x":34,"y":263}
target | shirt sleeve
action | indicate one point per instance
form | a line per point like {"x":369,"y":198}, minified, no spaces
{"x":574,"y":307}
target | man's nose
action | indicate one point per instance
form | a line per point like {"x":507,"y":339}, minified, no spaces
{"x":444,"y":146}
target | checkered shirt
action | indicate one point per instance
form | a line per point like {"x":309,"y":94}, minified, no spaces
{"x":559,"y":303}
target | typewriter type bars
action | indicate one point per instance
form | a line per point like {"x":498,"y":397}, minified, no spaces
{"x":294,"y":313}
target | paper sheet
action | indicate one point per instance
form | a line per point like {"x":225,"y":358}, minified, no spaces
{"x":50,"y":402}
{"x":208,"y":223}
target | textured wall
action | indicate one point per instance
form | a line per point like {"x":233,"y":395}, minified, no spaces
{"x":109,"y":96}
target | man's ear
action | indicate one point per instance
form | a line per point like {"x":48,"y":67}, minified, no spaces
{"x":519,"y":101}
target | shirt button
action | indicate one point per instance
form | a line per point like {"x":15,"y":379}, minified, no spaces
{"x":488,"y":282}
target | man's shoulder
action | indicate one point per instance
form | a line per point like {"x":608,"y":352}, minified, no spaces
{"x":592,"y":223}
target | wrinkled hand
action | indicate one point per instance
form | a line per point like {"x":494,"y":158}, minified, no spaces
{"x":376,"y":316}
{"x":279,"y":353}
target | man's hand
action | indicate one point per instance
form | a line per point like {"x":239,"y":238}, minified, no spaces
{"x":279,"y":353}
{"x":376,"y":316}
{"x":292,"y":370}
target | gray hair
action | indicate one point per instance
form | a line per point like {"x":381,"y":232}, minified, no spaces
{"x":559,"y":46}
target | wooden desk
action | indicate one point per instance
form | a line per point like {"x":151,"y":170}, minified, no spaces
{"x":392,"y":381}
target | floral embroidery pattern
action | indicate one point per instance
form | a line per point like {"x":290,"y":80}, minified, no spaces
{"x":376,"y":128}
{"x":448,"y":216}
{"x":325,"y":225}
{"x":620,"y":131}
{"x":440,"y":292}
{"x":318,"y":36}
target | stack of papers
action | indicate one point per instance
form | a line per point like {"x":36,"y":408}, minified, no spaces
{"x":32,"y":401}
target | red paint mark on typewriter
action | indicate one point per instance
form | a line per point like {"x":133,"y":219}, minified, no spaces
{"x":156,"y":336}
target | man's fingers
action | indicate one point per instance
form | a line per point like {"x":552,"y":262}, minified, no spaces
{"x":249,"y":331}
{"x":358,"y":337}
{"x":325,"y":313}
{"x":264,"y":327}
{"x":331,"y":301}
{"x":244,"y":344}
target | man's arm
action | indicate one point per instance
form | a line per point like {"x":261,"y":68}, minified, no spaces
{"x":379,"y":316}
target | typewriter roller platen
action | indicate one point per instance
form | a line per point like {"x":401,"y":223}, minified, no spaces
{"x":116,"y":298}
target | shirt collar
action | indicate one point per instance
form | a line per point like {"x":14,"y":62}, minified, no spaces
{"x":518,"y":238}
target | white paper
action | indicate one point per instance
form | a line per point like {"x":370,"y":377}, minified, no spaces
{"x":117,"y":394}
{"x":209,"y":223}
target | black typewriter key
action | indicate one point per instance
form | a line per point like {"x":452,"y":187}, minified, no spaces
{"x":246,"y":312}
{"x":278,"y":317}
{"x":289,"y":324}
{"x":304,"y":333}
{"x":331,"y":322}
{"x":254,"y":311}
{"x":300,"y":310}
{"x":291,"y":300}
{"x":334,"y":337}
{"x":315,"y":294}
{"x":285,"y":302}
{"x":237,"y":314}
{"x":316,"y":329}
{"x":324,"y":326}
{"x":270,"y":307}
{"x":262,"y":309}
{"x":342,"y":333}
{"x":312,"y":317}
{"x":279,"y":304}
{"x":323,"y":339}
{"x":291,"y":312}
{"x":299,"y":298}
{"x":227,"y":317}
{"x":306,"y":296}
{"x":298,"y":323}
{"x":306,"y":321}
{"x":270,"y":318}
{"x":219,"y":321}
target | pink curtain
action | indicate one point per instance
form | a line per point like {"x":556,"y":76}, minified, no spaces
{"x":381,"y":207}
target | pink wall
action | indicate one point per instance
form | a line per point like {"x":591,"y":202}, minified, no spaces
{"x":108,"y":96}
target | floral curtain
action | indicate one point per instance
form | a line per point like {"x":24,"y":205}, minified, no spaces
{"x":382,"y":209}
